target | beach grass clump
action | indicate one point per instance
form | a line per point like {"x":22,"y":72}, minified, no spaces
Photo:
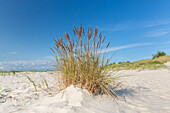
{"x":81,"y":60}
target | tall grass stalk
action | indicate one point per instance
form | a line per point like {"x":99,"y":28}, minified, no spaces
{"x":45,"y":81}
{"x":81,"y":60}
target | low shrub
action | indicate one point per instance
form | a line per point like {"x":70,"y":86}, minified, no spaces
{"x":158,"y":54}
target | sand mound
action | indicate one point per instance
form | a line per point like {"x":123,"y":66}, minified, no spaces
{"x":73,"y":96}
{"x":70,"y":100}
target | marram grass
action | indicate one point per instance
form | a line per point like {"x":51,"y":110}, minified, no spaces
{"x":81,"y":61}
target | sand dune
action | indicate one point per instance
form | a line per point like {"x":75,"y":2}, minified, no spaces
{"x":145,"y":91}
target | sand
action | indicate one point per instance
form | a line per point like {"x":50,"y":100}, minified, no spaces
{"x":145,"y":91}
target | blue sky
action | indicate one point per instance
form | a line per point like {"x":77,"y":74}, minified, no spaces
{"x":136,"y":29}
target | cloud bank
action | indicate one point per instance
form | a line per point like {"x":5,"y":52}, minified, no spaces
{"x":26,"y":65}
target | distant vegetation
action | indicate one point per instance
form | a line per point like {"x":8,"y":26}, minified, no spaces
{"x":158,"y":54}
{"x":7,"y":72}
{"x":4,"y":73}
{"x":37,"y":70}
{"x":155,"y":63}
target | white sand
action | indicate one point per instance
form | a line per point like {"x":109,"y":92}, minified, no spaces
{"x":143,"y":92}
{"x":167,"y":64}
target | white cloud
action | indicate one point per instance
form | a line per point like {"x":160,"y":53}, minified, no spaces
{"x":117,"y":27}
{"x":156,"y":33}
{"x":163,"y":43}
{"x":12,"y":53}
{"x":26,"y":65}
{"x":49,"y":57}
{"x":125,"y":47}
{"x":157,"y":23}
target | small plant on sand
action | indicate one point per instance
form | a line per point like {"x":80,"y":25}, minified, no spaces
{"x":158,"y":54}
{"x":33,"y":83}
{"x":0,"y":92}
{"x":81,"y":61}
{"x":44,"y":82}
{"x":13,"y":72}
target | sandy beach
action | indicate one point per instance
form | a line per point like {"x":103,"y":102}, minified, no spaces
{"x":84,"y":56}
{"x":146,"y":91}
